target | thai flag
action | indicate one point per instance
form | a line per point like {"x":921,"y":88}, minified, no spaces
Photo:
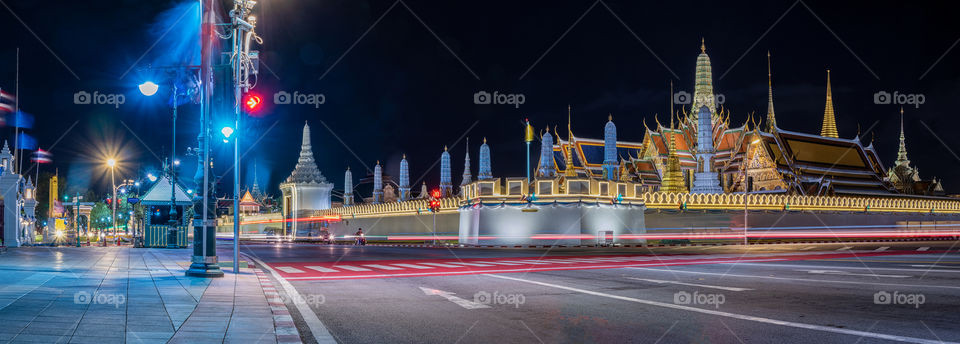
{"x":6,"y":99}
{"x":42,"y":157}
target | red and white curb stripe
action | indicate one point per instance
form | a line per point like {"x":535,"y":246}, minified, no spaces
{"x":282,"y":321}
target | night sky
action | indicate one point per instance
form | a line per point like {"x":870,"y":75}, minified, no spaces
{"x":403,"y":82}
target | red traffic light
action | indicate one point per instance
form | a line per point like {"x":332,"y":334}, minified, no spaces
{"x":435,"y":193}
{"x":252,"y":102}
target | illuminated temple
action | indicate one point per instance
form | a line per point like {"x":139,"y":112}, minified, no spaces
{"x":698,"y":170}
{"x":751,"y":156}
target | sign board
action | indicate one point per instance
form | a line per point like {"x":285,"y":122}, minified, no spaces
{"x":133,"y":200}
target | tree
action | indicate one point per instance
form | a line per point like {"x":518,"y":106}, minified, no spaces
{"x":101,"y":216}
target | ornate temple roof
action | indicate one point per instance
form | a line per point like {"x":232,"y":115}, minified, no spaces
{"x":306,"y":171}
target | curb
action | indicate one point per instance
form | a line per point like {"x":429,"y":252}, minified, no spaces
{"x":284,"y":326}
{"x":664,"y":245}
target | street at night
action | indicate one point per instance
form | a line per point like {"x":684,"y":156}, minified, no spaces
{"x":414,"y":171}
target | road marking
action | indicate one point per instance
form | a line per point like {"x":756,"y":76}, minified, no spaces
{"x":923,"y":248}
{"x":881,"y":249}
{"x":808,"y":248}
{"x":526,"y":261}
{"x":382,"y":267}
{"x":498,"y":263}
{"x":468,"y":264}
{"x":868,"y":282}
{"x":934,"y":266}
{"x":449,"y":296}
{"x":414,"y":266}
{"x":730,"y":315}
{"x":317,"y":328}
{"x":847,"y":273}
{"x":351,"y":268}
{"x":846,"y":267}
{"x":290,"y":270}
{"x":321,"y":269}
{"x":844,"y":248}
{"x":690,"y":284}
{"x":442,"y":265}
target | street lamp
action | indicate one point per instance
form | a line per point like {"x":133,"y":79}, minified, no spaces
{"x":227,"y":132}
{"x":112,"y":163}
{"x":148,"y":88}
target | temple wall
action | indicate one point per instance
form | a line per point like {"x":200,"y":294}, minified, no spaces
{"x":548,"y":224}
{"x":398,"y":227}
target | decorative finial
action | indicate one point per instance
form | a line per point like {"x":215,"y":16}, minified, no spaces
{"x":378,"y":162}
{"x":404,"y":155}
{"x":610,"y":117}
{"x":548,"y":129}
{"x":703,"y":45}
{"x":484,"y":140}
{"x":444,"y":148}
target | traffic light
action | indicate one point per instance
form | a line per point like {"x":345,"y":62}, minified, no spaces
{"x":252,"y":102}
{"x":435,"y":200}
{"x":435,"y":193}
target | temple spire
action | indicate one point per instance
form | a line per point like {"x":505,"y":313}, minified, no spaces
{"x":610,"y":167}
{"x":547,"y":168}
{"x":485,"y":170}
{"x":771,"y":118}
{"x":377,"y":183}
{"x":347,"y":187}
{"x":446,"y":181}
{"x":467,"y":177}
{"x":829,"y":128}
{"x":703,"y":86}
{"x":902,"y":152}
{"x":404,"y":179}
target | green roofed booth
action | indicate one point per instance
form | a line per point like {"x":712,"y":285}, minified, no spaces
{"x":157,"y":213}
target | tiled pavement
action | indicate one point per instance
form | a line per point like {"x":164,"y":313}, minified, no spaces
{"x":126,"y":295}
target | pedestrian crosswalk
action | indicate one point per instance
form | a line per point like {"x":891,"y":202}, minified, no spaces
{"x":439,"y":267}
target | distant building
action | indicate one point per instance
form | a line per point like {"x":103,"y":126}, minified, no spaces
{"x":306,"y":188}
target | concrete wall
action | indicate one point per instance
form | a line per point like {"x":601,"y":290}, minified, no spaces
{"x":552,"y":224}
{"x":705,"y":221}
{"x":376,"y":229}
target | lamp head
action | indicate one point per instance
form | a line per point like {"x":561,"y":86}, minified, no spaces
{"x":148,"y":88}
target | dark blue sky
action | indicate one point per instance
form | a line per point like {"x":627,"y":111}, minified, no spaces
{"x":407,"y":86}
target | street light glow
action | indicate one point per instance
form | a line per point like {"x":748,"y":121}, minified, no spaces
{"x":148,"y":88}
{"x":111,"y":162}
{"x":151,"y":177}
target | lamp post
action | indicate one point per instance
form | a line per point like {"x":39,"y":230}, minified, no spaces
{"x":112,"y":163}
{"x":150,"y":88}
{"x":76,"y":214}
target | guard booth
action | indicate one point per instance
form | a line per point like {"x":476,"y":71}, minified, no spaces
{"x":157,"y":214}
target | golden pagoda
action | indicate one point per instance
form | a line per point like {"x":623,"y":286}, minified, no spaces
{"x":672,"y":175}
{"x":829,"y":128}
{"x":569,"y":171}
{"x":771,"y":118}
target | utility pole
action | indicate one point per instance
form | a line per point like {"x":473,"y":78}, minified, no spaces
{"x":243,"y":33}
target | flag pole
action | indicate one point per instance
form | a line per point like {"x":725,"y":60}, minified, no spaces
{"x":16,"y":114}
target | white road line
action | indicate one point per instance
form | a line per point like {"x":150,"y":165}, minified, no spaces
{"x":449,"y":296}
{"x":526,"y":261}
{"x":881,"y":249}
{"x":730,"y":315}
{"x":290,"y":270}
{"x":847,"y":267}
{"x":381,"y":267}
{"x":498,"y":263}
{"x":847,"y":273}
{"x":690,"y":284}
{"x":317,"y":328}
{"x":844,"y":248}
{"x":351,"y":268}
{"x":468,"y":264}
{"x":320,"y":268}
{"x":808,"y":248}
{"x":923,"y":248}
{"x":934,"y":266}
{"x":441,"y":265}
{"x":414,"y":266}
{"x":867,"y":282}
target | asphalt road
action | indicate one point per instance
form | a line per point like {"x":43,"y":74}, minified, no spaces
{"x":831,"y":293}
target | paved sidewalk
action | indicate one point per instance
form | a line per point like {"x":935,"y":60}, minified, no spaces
{"x":126,"y":295}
